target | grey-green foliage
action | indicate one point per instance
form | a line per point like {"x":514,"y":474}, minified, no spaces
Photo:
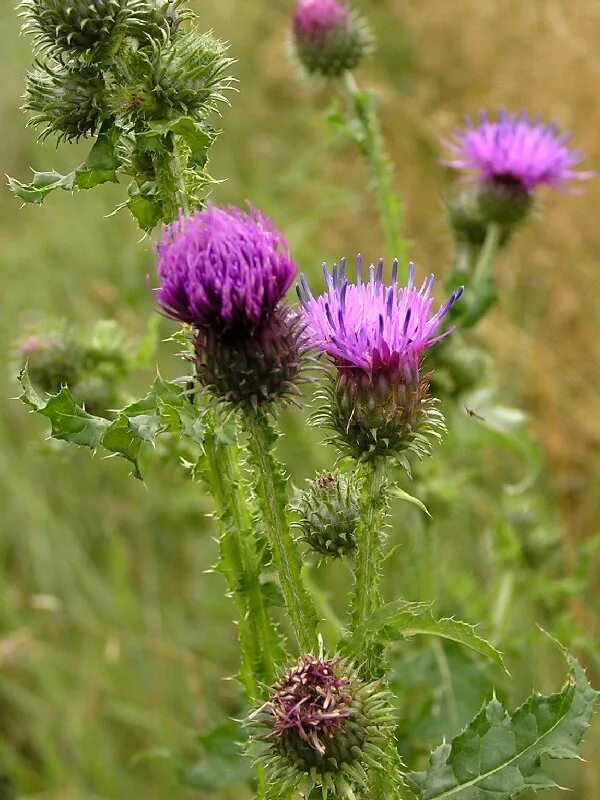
{"x":138,"y":76}
{"x":500,"y":754}
{"x":167,"y":408}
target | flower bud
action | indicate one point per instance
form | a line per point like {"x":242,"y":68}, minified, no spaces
{"x":73,"y":26}
{"x":322,"y":728}
{"x":53,"y":357}
{"x":329,"y":513}
{"x":329,"y":37}
{"x":65,"y":99}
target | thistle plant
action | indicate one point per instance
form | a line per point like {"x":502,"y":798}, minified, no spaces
{"x":143,"y":81}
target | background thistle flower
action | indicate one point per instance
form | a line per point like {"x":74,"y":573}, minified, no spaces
{"x":66,"y":99}
{"x":329,"y":37}
{"x":329,"y":512}
{"x":510,"y":158}
{"x":323,"y":728}
{"x":224,"y":272}
{"x":376,"y":335}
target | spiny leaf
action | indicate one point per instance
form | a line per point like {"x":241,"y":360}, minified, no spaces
{"x":165,"y":409}
{"x":499,"y":755}
{"x":398,"y":492}
{"x":402,"y":619}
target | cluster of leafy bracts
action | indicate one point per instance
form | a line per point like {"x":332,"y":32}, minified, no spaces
{"x":138,"y":79}
{"x":322,"y":720}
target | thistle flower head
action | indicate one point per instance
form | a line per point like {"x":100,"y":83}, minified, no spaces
{"x":376,"y":335}
{"x":322,"y":726}
{"x":329,"y":37}
{"x":329,"y":513}
{"x":223,"y":268}
{"x":515,"y":150}
{"x":225,"y":271}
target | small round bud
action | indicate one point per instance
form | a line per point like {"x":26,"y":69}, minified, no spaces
{"x":66,"y":100}
{"x":329,"y":514}
{"x":53,"y":358}
{"x":73,"y":26}
{"x":330,"y":38}
{"x":252,"y":368}
{"x":504,"y":201}
{"x":322,"y":728}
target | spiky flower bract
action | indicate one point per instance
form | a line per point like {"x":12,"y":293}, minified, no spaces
{"x":323,"y":728}
{"x":376,"y":335}
{"x":66,"y":99}
{"x":510,"y":158}
{"x":224,"y":272}
{"x":329,"y":37}
{"x":329,"y":513}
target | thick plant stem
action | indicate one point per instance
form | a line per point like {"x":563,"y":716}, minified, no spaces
{"x":366,"y":597}
{"x":381,"y":171}
{"x":240,"y":564}
{"x":169,"y":180}
{"x":271,"y":492}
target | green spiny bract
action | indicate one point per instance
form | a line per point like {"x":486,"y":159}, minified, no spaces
{"x":323,"y":729}
{"x":386,"y":418}
{"x":329,"y":513}
{"x":185,"y":75}
{"x":65,"y":99}
{"x":252,"y":368}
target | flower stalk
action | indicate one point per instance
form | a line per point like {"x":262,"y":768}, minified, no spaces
{"x":389,"y":206}
{"x":270,"y":490}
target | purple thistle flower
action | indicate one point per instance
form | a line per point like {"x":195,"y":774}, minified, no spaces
{"x":314,"y":19}
{"x":329,"y":36}
{"x":311,"y":701}
{"x":376,"y":335}
{"x":223,"y":268}
{"x":372,"y":327}
{"x":516,"y":150}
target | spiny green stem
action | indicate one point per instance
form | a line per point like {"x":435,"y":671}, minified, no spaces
{"x":389,"y":205}
{"x":272,"y":497}
{"x":366,"y":597}
{"x":241,"y":566}
{"x":170,"y":179}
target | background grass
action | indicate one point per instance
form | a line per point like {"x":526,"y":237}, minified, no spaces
{"x":113,"y":639}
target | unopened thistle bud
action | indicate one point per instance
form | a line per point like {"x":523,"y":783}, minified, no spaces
{"x":510,"y":158}
{"x":377,"y":403}
{"x":329,"y":513}
{"x":73,"y":26}
{"x":323,"y":728}
{"x":66,"y":99}
{"x":182,"y":75}
{"x":225,"y":272}
{"x":330,"y":38}
{"x":53,"y":357}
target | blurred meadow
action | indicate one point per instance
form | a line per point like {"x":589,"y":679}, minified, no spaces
{"x":115,"y":641}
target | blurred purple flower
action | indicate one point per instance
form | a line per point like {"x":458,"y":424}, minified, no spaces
{"x":371,"y":327}
{"x":515,"y":151}
{"x":318,"y":18}
{"x":223,"y":268}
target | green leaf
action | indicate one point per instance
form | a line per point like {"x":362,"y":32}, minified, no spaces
{"x":99,"y":167}
{"x":403,"y":619}
{"x":165,"y":409}
{"x":196,"y":135}
{"x":499,"y":755}
{"x":43,"y":183}
{"x":102,"y":163}
{"x":398,"y":492}
{"x":146,"y":209}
